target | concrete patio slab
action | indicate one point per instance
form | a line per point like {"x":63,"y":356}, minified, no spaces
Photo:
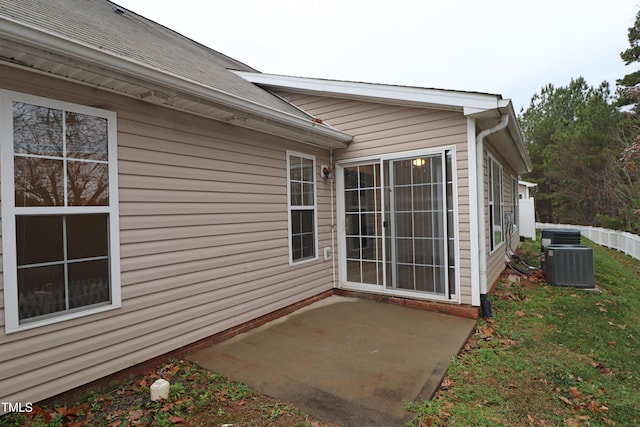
{"x":346,"y":361}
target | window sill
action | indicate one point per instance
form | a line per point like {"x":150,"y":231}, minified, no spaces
{"x":58,"y":319}
{"x":497,"y":248}
{"x":303,"y":261}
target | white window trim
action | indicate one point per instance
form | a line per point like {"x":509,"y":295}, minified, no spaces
{"x":9,"y":210}
{"x":491,"y":201}
{"x":314,"y":208}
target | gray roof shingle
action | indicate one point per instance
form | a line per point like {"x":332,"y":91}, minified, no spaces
{"x":129,"y":35}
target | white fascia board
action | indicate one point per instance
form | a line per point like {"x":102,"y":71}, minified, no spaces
{"x":468,"y":102}
{"x":516,"y":134}
{"x":518,"y":140}
{"x":140,"y":72}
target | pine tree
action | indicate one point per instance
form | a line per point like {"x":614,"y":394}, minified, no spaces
{"x":572,"y":135}
{"x":629,"y":96}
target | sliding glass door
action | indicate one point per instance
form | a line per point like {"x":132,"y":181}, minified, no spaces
{"x":363,"y":224}
{"x":398,"y":224}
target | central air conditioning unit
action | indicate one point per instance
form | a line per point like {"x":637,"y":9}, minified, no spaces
{"x":569,"y":265}
{"x":557,"y":236}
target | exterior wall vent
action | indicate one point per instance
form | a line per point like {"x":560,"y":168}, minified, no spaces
{"x":569,"y":265}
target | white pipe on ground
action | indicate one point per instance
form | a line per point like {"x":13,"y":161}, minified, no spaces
{"x":159,"y":390}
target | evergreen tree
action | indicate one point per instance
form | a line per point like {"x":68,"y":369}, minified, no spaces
{"x":572,"y":135}
{"x":629,"y":96}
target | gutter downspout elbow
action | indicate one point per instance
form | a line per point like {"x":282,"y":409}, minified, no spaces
{"x":485,"y":304}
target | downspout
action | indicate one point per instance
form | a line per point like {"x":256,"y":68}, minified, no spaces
{"x":333,"y":222}
{"x":485,"y":303}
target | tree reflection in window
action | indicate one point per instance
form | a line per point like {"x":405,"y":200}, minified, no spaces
{"x":56,"y":150}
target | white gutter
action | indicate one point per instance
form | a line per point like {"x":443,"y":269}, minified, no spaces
{"x":54,"y":44}
{"x":482,"y":230}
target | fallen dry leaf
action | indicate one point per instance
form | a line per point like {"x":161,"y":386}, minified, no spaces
{"x":427,"y":421}
{"x":135,"y":415}
{"x":446,"y":384}
{"x":166,"y":407}
{"x":506,"y":343}
{"x":572,"y":422}
{"x":594,"y":407}
{"x":486,"y":331}
{"x":567,"y":401}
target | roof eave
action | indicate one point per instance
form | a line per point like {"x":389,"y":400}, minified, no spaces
{"x":516,"y":141}
{"x":516,"y":134}
{"x":471,"y":104}
{"x":398,"y":95}
{"x":162,"y":86}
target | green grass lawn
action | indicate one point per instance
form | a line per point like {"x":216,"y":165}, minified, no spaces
{"x":549,"y":355}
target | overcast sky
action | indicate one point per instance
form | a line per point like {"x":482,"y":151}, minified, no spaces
{"x":509,"y":47}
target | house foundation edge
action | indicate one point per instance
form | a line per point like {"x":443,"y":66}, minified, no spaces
{"x":72,"y":396}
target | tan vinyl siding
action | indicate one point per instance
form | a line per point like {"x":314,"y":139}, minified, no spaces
{"x":496,"y":259}
{"x":204,"y":243}
{"x":385,"y":129}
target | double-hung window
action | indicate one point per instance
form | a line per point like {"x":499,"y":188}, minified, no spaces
{"x":496,"y":203}
{"x":60,"y":242}
{"x":301,"y":192}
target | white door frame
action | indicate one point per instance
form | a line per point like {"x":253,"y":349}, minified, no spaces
{"x":341,"y":230}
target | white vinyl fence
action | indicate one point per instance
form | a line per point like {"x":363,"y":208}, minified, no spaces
{"x":527,"y":217}
{"x":620,"y":240}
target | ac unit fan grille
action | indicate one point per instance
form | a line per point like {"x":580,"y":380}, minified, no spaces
{"x":570,"y":265}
